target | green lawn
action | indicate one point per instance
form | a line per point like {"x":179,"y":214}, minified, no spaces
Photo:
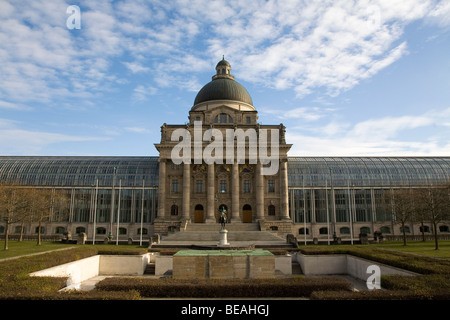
{"x":416,"y":247}
{"x":16,"y":248}
{"x":420,"y":247}
{"x":15,"y":282}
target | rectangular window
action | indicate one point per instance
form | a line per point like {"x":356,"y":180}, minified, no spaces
{"x":223,"y":186}
{"x":175,"y":185}
{"x":246,"y":186}
{"x":271,"y":185}
{"x":248,"y":120}
{"x":199,"y":186}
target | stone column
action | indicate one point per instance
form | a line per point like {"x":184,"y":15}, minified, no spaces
{"x":210,"y":195}
{"x":284,"y":196}
{"x":259,"y":192}
{"x":236,"y":216}
{"x":186,"y":191}
{"x":162,"y":189}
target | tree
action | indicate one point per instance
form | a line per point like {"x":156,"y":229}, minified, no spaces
{"x":24,"y":214}
{"x":11,"y":205}
{"x":42,"y":203}
{"x":402,"y":203}
{"x":434,"y":204}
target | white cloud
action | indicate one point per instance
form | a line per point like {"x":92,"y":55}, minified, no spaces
{"x":303,"y":113}
{"x":14,"y":140}
{"x":13,"y":106}
{"x":137,"y":130}
{"x":136,"y":67}
{"x":299,"y":45}
{"x":140,"y":93}
{"x":386,"y":135}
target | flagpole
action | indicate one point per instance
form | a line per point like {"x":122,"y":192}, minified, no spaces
{"x":304,"y":211}
{"x":95,"y":211}
{"x":328,"y":213}
{"x":142,"y":211}
{"x":118,"y":212}
{"x":351,"y":211}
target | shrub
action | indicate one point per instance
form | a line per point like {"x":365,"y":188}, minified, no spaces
{"x":201,"y":288}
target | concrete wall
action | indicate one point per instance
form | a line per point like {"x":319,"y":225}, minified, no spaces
{"x":123,"y":265}
{"x":323,"y":264}
{"x":357,"y":268}
{"x":284,"y":264}
{"x":77,"y":271}
{"x":163,"y":264}
{"x":343,"y":264}
{"x":84,"y":269}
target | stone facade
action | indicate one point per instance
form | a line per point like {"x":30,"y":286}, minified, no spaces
{"x":216,"y":172}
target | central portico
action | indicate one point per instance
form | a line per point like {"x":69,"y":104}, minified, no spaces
{"x":222,"y":159}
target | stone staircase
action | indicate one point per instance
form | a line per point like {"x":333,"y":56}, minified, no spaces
{"x":150,"y":269}
{"x":239,"y":235}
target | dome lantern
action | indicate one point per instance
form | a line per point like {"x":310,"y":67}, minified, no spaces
{"x":223,"y":69}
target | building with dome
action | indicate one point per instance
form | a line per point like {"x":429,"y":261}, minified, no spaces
{"x":133,"y":198}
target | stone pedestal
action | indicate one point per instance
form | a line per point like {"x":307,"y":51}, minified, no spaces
{"x":82,"y":237}
{"x":223,"y":264}
{"x":223,"y":241}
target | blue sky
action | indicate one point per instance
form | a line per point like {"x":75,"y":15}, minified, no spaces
{"x":347,"y":78}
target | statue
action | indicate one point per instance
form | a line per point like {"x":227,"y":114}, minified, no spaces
{"x":223,"y":218}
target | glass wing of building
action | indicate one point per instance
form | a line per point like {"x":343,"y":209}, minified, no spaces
{"x":79,"y":171}
{"x":343,"y":191}
{"x":367,"y":171}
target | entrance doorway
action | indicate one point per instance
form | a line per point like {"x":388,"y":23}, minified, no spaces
{"x":247,"y":214}
{"x":198,"y":214}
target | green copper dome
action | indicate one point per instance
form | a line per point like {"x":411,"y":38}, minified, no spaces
{"x":223,"y":87}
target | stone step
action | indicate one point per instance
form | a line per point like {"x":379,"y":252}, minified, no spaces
{"x":188,"y":236}
{"x":150,"y":269}
{"x":238,"y":226}
{"x":296,"y":268}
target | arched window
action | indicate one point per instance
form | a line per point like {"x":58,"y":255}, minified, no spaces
{"x":101,"y":230}
{"x":199,"y":207}
{"x":365,"y":230}
{"x":302,"y":231}
{"x":405,"y":228}
{"x":17,"y":229}
{"x":323,"y":230}
{"x":80,"y":230}
{"x":344,"y":230}
{"x":424,"y":229}
{"x":271,"y":210}
{"x":223,"y":118}
{"x":122,"y":231}
{"x":36,"y":230}
{"x":385,"y":229}
{"x":144,"y":231}
{"x":174,"y":210}
{"x":60,"y":230}
{"x":2,"y":229}
{"x":443,"y":229}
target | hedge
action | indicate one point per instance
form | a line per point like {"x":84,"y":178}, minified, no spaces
{"x":202,"y":288}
